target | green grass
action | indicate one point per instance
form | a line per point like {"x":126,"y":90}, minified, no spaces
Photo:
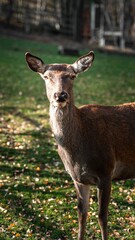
{"x":37,"y":197}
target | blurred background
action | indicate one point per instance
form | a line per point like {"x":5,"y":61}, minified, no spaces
{"x":37,"y":197}
{"x":98,"y":22}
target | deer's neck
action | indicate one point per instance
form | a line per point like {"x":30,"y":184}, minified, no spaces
{"x":64,"y":123}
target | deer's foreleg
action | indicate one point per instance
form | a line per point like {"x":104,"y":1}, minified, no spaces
{"x":83,"y":204}
{"x":104,"y":189}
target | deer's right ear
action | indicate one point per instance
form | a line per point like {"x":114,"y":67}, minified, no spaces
{"x":35,"y":63}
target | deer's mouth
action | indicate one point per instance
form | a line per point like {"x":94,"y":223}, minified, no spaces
{"x":60,"y":105}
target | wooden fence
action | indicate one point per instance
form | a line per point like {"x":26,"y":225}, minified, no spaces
{"x":64,"y":16}
{"x":103,"y":20}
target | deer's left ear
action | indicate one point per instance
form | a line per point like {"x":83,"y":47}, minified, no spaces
{"x":83,"y":63}
{"x":35,"y":63}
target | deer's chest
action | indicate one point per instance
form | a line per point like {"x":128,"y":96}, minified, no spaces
{"x":76,"y":167}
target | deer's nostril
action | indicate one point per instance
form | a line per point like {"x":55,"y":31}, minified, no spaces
{"x":60,"y":96}
{"x":64,"y":95}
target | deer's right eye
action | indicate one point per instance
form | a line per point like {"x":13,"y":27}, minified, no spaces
{"x":72,"y":77}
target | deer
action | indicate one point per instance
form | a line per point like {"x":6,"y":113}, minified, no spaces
{"x":96,"y":143}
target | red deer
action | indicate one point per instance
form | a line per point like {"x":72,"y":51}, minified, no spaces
{"x":95,"y":143}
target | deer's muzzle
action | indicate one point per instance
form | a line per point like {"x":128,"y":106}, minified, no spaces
{"x":60,"y":99}
{"x":60,"y":96}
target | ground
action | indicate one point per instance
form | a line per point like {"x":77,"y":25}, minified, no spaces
{"x":38,"y":199}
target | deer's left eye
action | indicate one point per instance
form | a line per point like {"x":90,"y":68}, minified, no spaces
{"x":46,"y":77}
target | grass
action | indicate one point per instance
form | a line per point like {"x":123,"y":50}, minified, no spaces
{"x":37,"y":197}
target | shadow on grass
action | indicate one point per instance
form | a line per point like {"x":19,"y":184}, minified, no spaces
{"x":21,"y":188}
{"x":23,"y":209}
{"x":15,"y":111}
{"x":19,"y":175}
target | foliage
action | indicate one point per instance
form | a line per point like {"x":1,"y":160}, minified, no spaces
{"x":38,"y":200}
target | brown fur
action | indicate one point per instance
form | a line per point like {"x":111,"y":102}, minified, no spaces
{"x":96,"y":143}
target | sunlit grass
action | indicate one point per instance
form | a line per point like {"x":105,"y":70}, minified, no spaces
{"x":38,"y":200}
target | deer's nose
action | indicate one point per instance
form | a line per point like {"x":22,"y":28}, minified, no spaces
{"x":61,"y":96}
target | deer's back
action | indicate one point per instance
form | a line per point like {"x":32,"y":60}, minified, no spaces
{"x":109,"y":137}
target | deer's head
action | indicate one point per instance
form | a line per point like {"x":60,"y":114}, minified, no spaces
{"x":59,"y":77}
